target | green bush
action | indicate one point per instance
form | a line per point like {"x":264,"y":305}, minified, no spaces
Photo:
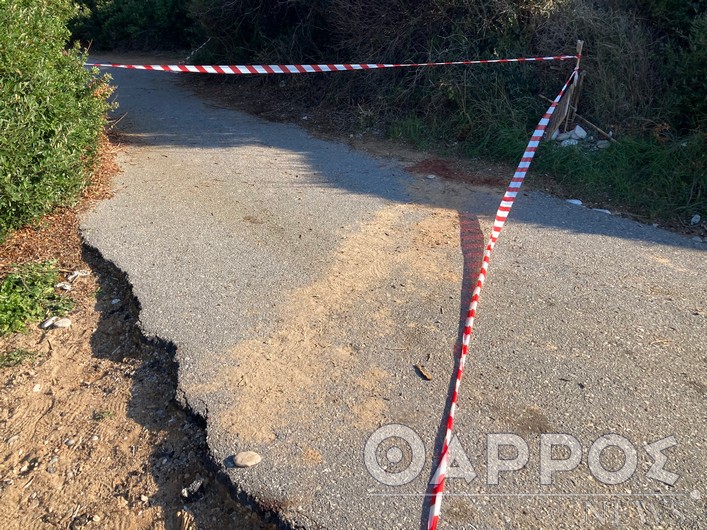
{"x":52,"y":111}
{"x":690,"y":78}
{"x":135,"y":24}
{"x":28,"y":295}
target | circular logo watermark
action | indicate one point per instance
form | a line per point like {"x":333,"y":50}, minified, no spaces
{"x":394,"y":455}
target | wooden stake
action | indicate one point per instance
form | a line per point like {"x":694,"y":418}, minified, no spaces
{"x":580,"y":45}
{"x":585,"y":120}
{"x":573,"y":96}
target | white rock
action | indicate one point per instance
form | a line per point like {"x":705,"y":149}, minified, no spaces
{"x":579,"y":133}
{"x":77,"y":274}
{"x":48,"y":323}
{"x":603,"y":144}
{"x":144,"y":498}
{"x":563,"y":136}
{"x":695,"y":219}
{"x":431,"y":177}
{"x":64,"y":286}
{"x":576,"y":202}
{"x":37,"y":388}
{"x":246,"y":459}
{"x":115,"y":301}
{"x":602,"y":210}
{"x":555,"y":135}
{"x":567,"y":143}
{"x":62,"y":323}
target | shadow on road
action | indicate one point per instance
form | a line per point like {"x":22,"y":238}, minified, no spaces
{"x":180,"y":456}
{"x":185,"y":122}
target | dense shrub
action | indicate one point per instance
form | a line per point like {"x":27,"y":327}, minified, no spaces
{"x":52,"y":111}
{"x":135,"y":24}
{"x":645,"y":63}
{"x":253,"y":30}
{"x":645,"y":58}
{"x":689,"y":80}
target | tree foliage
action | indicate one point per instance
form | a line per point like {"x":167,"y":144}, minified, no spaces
{"x":135,"y":24}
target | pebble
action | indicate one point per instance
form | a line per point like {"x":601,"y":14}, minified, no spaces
{"x":246,"y":459}
{"x":144,"y":498}
{"x":94,"y":438}
{"x":51,"y":466}
{"x":62,"y":323}
{"x":37,"y":388}
{"x":48,"y":323}
{"x":567,"y":143}
{"x":115,"y":301}
{"x":69,"y":442}
{"x":96,"y":518}
{"x":602,"y":210}
{"x":695,"y":219}
{"x":603,"y":144}
{"x":12,"y":439}
{"x":77,"y":274}
{"x":563,"y":136}
{"x":193,"y":491}
{"x":579,"y":133}
{"x":431,"y":177}
{"x":576,"y":202}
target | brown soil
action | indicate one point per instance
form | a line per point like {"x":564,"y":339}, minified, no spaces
{"x":90,"y":434}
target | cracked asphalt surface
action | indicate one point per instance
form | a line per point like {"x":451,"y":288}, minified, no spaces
{"x":302,"y":281}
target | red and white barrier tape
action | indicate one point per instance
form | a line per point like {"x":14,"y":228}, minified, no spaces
{"x":504,"y":209}
{"x":249,"y":69}
{"x":438,"y":480}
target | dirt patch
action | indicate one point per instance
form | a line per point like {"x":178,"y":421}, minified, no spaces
{"x":90,"y":435}
{"x":285,"y":367}
{"x":458,"y":170}
{"x":280,"y":376}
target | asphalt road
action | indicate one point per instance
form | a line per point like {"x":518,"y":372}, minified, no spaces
{"x":301,"y":282}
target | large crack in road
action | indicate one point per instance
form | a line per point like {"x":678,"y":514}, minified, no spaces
{"x":301,"y":282}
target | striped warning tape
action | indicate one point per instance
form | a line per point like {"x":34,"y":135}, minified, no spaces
{"x":501,"y":215}
{"x":438,"y":480}
{"x":248,"y":69}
